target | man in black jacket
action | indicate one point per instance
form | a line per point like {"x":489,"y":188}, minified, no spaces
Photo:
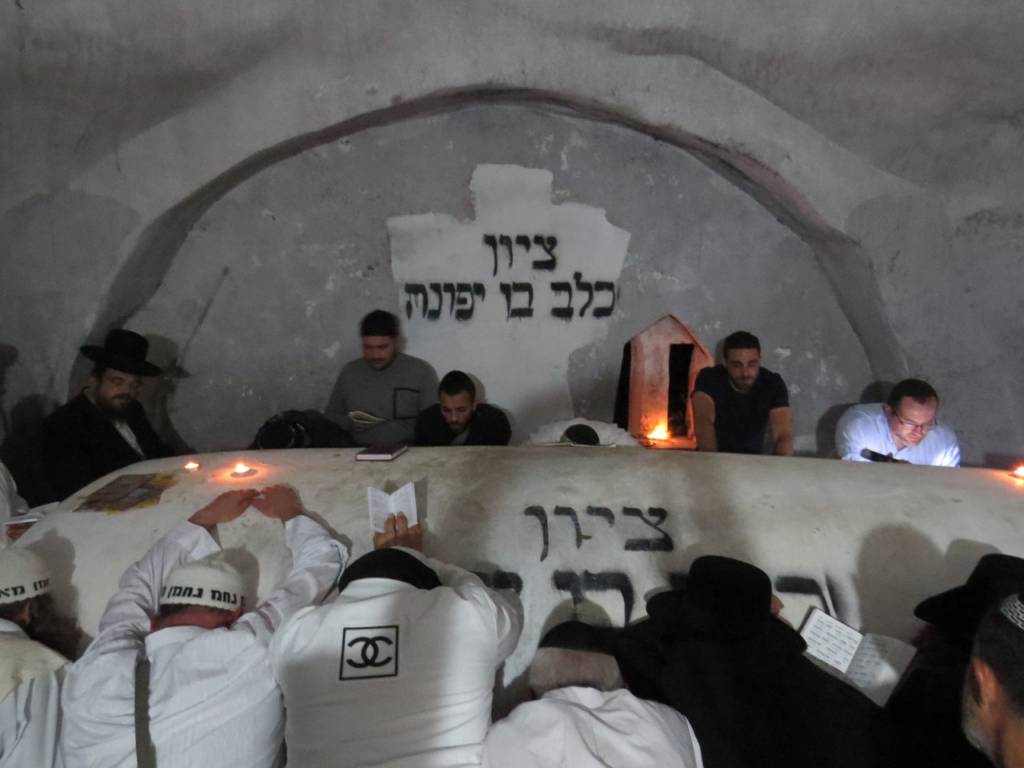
{"x":103,"y":428}
{"x":458,"y":419}
{"x":716,"y":652}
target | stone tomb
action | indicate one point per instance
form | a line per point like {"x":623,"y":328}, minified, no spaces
{"x":594,"y":528}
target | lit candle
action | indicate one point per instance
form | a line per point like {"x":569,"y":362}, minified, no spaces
{"x":192,"y":466}
{"x":660,"y":432}
{"x":1019,"y":472}
{"x":243,"y":470}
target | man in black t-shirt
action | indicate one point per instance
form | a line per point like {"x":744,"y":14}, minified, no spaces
{"x":733,"y":404}
{"x":458,"y":419}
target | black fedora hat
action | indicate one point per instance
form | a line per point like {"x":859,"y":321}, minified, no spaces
{"x":723,"y":597}
{"x":123,"y":351}
{"x":960,"y":609}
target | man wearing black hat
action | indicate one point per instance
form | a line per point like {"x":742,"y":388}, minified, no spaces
{"x":104,"y":427}
{"x":993,"y":700}
{"x":924,"y":712}
{"x":717,"y":653}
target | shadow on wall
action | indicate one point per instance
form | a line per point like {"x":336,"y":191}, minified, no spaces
{"x":20,"y":448}
{"x":893,"y":587}
{"x":165,"y":354}
{"x":825,"y":432}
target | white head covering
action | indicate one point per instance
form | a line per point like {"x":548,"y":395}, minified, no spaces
{"x":211,"y":583}
{"x":23,"y":575}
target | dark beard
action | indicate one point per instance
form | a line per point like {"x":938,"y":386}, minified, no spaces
{"x":52,"y":628}
{"x":113,"y":409}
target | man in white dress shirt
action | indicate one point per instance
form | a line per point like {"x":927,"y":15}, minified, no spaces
{"x":208,"y":697}
{"x":902,"y":429}
{"x":399,"y":669}
{"x":583,"y":715}
{"x":35,"y":643}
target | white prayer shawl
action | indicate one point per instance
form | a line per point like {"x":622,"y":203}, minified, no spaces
{"x":388,"y":674}
{"x":586,"y":728}
{"x":30,"y":680}
{"x":213,"y":701}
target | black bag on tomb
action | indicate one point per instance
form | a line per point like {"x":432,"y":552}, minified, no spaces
{"x":301,"y":429}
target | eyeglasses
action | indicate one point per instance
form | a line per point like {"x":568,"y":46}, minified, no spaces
{"x":913,"y":426}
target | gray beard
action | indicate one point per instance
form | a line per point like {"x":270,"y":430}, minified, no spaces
{"x":974,"y":733}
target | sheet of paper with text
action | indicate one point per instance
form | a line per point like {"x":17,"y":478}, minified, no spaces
{"x":830,"y":640}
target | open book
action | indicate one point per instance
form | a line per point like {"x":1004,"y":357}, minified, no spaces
{"x":365,"y":419}
{"x":383,"y":504}
{"x":871,"y":663}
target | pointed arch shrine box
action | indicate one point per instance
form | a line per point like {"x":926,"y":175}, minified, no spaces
{"x":659,"y":369}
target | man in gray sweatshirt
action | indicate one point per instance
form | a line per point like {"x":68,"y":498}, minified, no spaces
{"x":377,"y":397}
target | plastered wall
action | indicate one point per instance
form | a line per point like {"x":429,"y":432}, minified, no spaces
{"x":883,"y":141}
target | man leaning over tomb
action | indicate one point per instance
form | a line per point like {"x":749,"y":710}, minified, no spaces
{"x":399,"y":669}
{"x":924,"y":712}
{"x":378,"y":396}
{"x":716,"y":651}
{"x":583,"y":716}
{"x":179,"y":674}
{"x":36,"y":641}
{"x":902,"y":429}
{"x":993,"y":697}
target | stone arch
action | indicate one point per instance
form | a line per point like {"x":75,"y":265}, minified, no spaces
{"x":842,"y":259}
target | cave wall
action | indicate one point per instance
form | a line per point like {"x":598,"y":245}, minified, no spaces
{"x":885,"y":142}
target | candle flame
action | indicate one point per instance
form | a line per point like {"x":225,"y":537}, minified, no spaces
{"x":241,"y":469}
{"x":660,"y":432}
{"x":192,"y":466}
{"x":1019,"y":472}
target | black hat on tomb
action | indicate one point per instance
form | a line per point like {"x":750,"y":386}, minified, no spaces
{"x":959,"y":610}
{"x":576,"y":636}
{"x":581,"y":434}
{"x":123,"y":350}
{"x":723,"y":599}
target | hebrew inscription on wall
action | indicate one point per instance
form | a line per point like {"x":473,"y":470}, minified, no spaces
{"x":526,"y":277}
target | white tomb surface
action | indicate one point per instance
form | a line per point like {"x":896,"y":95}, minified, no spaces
{"x":597,"y":527}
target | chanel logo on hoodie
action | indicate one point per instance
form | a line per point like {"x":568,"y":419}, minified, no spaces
{"x":368,"y":652}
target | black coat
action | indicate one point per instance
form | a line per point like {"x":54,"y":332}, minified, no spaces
{"x":753,"y":699}
{"x":489,"y":426}
{"x":80,"y":444}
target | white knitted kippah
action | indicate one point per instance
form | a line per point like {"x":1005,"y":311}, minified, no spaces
{"x":1013,"y":609}
{"x":23,"y":575}
{"x":210,"y":582}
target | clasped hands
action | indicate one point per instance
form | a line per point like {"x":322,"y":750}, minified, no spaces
{"x":279,"y":502}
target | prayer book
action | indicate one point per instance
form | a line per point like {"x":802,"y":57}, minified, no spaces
{"x":871,"y":663}
{"x":383,"y":504}
{"x":365,"y":419}
{"x":381,"y":452}
{"x":129,"y":492}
